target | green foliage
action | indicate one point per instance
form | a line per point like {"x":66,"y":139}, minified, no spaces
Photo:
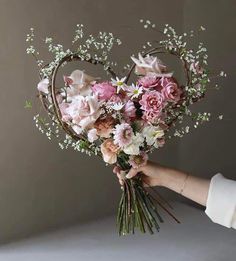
{"x":28,"y":105}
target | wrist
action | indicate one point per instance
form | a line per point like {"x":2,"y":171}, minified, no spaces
{"x":163,"y":177}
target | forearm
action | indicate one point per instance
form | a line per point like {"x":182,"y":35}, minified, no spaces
{"x":191,"y":187}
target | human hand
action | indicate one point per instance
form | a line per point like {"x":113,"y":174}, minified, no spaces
{"x":152,"y":174}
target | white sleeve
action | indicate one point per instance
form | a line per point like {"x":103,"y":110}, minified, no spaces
{"x":221,"y":201}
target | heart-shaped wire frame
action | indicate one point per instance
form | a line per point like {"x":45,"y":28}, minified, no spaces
{"x":75,"y":57}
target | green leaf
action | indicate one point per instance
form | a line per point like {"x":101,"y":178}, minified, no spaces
{"x":28,"y":105}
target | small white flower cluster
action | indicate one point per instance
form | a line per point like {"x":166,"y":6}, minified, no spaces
{"x":79,"y":33}
{"x":98,"y":48}
{"x":79,"y":145}
{"x":147,"y":24}
{"x":202,"y":117}
{"x":48,"y":128}
{"x":31,"y":49}
{"x":58,"y":51}
{"x":180,"y":133}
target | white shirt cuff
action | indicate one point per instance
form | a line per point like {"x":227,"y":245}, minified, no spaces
{"x":221,"y":201}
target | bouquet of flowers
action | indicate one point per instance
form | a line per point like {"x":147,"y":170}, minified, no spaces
{"x":119,"y":121}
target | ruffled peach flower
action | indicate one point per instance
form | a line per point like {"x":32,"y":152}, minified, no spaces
{"x":109,"y":151}
{"x":104,"y":126}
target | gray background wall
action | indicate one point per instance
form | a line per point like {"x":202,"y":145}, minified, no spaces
{"x":211,"y":148}
{"x":42,"y":187}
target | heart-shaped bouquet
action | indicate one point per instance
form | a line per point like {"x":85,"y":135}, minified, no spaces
{"x":122,"y":122}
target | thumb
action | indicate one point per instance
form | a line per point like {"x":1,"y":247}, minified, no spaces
{"x":133,"y":172}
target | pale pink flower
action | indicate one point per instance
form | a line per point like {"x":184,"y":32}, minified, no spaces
{"x":109,"y":151}
{"x":116,"y":98}
{"x":137,"y":161}
{"x":92,"y":135}
{"x":104,"y":126}
{"x":77,"y":129}
{"x":150,"y":64}
{"x":160,"y":142}
{"x":152,"y":101}
{"x":63,"y":106}
{"x":123,"y":134}
{"x":78,"y":83}
{"x":84,"y":111}
{"x":59,"y":98}
{"x":43,"y":86}
{"x":129,"y":110}
{"x":104,"y":90}
{"x":170,"y":89}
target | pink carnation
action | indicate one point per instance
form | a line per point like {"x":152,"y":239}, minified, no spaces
{"x":130,"y":110}
{"x":104,"y":90}
{"x":170,"y":89}
{"x":152,"y":102}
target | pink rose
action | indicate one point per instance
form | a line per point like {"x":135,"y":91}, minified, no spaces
{"x":150,"y":116}
{"x":104,"y":90}
{"x":170,"y":89}
{"x":84,"y":111}
{"x":149,"y":81}
{"x":152,"y":102}
{"x":109,"y":151}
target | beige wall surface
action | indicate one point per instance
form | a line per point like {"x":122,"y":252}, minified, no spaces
{"x":42,"y":187}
